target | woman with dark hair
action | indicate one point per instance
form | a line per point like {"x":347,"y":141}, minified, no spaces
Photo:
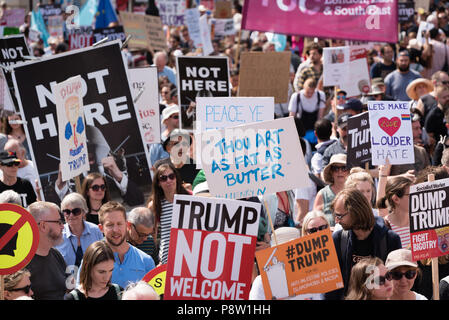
{"x":166,"y":183}
{"x":14,"y":130}
{"x":95,"y":191}
{"x":95,"y":275}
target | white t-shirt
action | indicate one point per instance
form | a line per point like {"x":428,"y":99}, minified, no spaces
{"x":419,"y":296}
{"x":307,"y":104}
{"x":307,"y":193}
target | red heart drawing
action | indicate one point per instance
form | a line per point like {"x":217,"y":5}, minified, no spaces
{"x":390,"y":126}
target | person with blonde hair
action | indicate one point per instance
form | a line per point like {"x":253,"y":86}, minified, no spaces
{"x":370,"y":280}
{"x":362,"y":180}
{"x":314,"y":221}
{"x":140,"y":290}
{"x":18,"y":284}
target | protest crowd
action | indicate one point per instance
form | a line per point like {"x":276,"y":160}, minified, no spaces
{"x":102,"y":230}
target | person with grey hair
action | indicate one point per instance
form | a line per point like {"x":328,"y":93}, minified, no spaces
{"x":160,"y":61}
{"x":78,"y":233}
{"x":140,"y":290}
{"x":139,"y":231}
{"x":48,"y":277}
{"x":10,"y":196}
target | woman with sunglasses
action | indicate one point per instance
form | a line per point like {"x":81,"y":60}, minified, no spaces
{"x":166,"y":183}
{"x":403,"y":271}
{"x":78,"y":234}
{"x":370,"y":280}
{"x":95,"y":275}
{"x":96,"y":193}
{"x":314,"y":221}
{"x":334,"y":174}
{"x":18,"y":285}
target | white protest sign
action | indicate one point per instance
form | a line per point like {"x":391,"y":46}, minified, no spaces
{"x":357,"y":79}
{"x":144,"y":88}
{"x":205,"y":36}
{"x":192,"y":20}
{"x":70,"y":115}
{"x":224,"y":27}
{"x":391,"y":132}
{"x":335,"y":65}
{"x":253,"y":159}
{"x":422,"y":29}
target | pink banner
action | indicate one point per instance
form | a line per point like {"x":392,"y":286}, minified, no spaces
{"x":369,"y":20}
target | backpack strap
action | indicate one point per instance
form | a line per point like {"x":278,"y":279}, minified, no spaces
{"x":298,"y":104}
{"x":344,"y":243}
{"x":318,"y":99}
{"x":74,"y":293}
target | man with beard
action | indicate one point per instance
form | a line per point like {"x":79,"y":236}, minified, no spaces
{"x":397,"y":81}
{"x":48,"y":268}
{"x":314,"y":68}
{"x":341,"y":145}
{"x":434,"y":124}
{"x":131,"y":264}
{"x":363,"y":235}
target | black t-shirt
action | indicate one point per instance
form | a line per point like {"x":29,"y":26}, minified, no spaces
{"x":110,"y":295}
{"x":381,"y":70}
{"x":92,"y":218}
{"x":24,"y":188}
{"x":48,"y":276}
{"x":435,"y":123}
{"x":362,"y":249}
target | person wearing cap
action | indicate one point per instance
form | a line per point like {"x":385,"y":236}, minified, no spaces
{"x":386,"y":65}
{"x":281,"y":235}
{"x":362,"y":235}
{"x":342,"y":143}
{"x":352,"y":106}
{"x":403,"y":271}
{"x":397,"y":81}
{"x":377,"y":91}
{"x":335,"y":175}
{"x":9,"y":165}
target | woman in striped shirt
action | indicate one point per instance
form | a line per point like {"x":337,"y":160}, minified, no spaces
{"x":166,"y":183}
{"x":396,"y":200}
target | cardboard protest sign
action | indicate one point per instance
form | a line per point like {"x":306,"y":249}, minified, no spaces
{"x":305,"y":265}
{"x":359,"y":143}
{"x":114,"y":142}
{"x":265,"y":75}
{"x":211,"y":252}
{"x":335,"y":65}
{"x":223,"y":9}
{"x":351,"y":20}
{"x":391,"y":132}
{"x":253,"y":159}
{"x":172,"y":11}
{"x":219,"y":113}
{"x":200,"y":77}
{"x":429,"y":219}
{"x":144,"y":88}
{"x":70,"y":114}
{"x":424,"y":4}
{"x":357,"y":79}
{"x":155,"y":33}
{"x":113,"y":33}
{"x":81,"y":37}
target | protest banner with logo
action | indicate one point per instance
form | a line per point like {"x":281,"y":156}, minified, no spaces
{"x":335,"y":65}
{"x":19,"y":238}
{"x":253,"y":159}
{"x":113,"y":33}
{"x":70,"y":115}
{"x":81,"y":37}
{"x":144,"y":88}
{"x":356,"y":80}
{"x":357,"y":20}
{"x":212,"y":245}
{"x":429,"y":219}
{"x":265,"y":75}
{"x":391,"y":132}
{"x":305,"y":265}
{"x":200,"y":77}
{"x":172,"y":11}
{"x":406,"y":11}
{"x":113,"y":133}
{"x":359,"y":143}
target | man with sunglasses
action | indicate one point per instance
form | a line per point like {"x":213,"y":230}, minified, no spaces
{"x":48,"y":268}
{"x":363,"y":235}
{"x":9,"y":165}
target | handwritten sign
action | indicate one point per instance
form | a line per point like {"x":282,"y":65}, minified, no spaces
{"x":391,"y":132}
{"x":305,"y":265}
{"x":253,"y":159}
{"x":359,"y":144}
{"x":72,"y":140}
{"x":172,"y":11}
{"x":211,"y":252}
{"x":429,"y":219}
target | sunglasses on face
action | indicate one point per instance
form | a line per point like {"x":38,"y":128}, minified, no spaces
{"x":164,"y":178}
{"x":397,"y":275}
{"x":97,"y":187}
{"x":338,"y":168}
{"x":445,"y":83}
{"x":24,"y":289}
{"x":139,"y":234}
{"x":341,"y":97}
{"x":175,"y":117}
{"x":313,"y":230}
{"x":380,"y":280}
{"x":76,"y":212}
{"x":11,"y":164}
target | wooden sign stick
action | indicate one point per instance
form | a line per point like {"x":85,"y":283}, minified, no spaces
{"x":435,"y":276}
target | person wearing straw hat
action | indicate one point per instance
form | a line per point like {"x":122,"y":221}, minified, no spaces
{"x":418,"y":88}
{"x":403,"y":271}
{"x":334,"y":174}
{"x":282,"y":235}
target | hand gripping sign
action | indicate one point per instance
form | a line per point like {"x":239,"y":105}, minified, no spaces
{"x":19,"y":238}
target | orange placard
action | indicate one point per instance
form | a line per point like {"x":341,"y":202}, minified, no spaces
{"x":305,"y":265}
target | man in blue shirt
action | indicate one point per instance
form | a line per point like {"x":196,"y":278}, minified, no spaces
{"x":160,"y":61}
{"x":131,"y":264}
